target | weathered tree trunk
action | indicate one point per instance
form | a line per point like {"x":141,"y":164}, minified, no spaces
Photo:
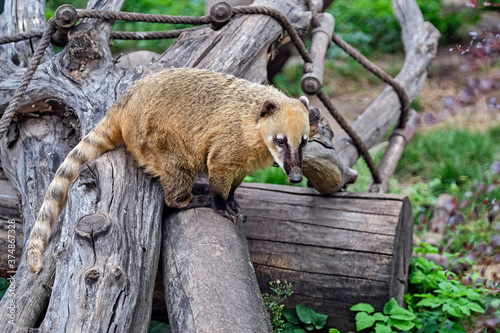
{"x":106,"y":260}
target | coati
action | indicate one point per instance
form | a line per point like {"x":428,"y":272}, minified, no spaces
{"x":179,"y":122}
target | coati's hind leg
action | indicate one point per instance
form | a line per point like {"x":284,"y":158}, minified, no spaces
{"x":177,"y":180}
{"x":177,"y":186}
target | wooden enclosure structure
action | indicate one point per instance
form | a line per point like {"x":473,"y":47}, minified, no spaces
{"x":335,"y":250}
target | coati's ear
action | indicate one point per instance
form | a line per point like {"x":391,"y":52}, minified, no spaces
{"x":305,"y":101}
{"x":269,"y":107}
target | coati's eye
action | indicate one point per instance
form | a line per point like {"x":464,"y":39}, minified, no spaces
{"x":280,"y":141}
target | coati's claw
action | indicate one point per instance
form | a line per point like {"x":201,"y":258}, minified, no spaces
{"x":233,"y":204}
{"x":227,"y":215}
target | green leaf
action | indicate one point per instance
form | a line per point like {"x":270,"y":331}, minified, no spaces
{"x":291,"y":316}
{"x":380,"y":317}
{"x":299,"y":330}
{"x":403,"y":325}
{"x":363,"y":307}
{"x":475,"y":307}
{"x":305,"y":313}
{"x":451,"y":310}
{"x":433,"y":302}
{"x":395,"y":311}
{"x":473,"y":295}
{"x":446,"y":287}
{"x":333,"y":330}
{"x":309,"y":327}
{"x":465,"y":309}
{"x":382,"y":328}
{"x":364,"y":320}
{"x":390,"y":306}
{"x":319,"y":320}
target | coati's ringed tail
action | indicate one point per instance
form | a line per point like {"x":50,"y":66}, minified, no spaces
{"x":98,"y":141}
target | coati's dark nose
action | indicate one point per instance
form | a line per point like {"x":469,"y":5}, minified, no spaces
{"x":295,"y":176}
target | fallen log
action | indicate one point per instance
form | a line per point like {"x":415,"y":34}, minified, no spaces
{"x":336,"y":250}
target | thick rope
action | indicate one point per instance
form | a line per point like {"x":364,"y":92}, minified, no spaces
{"x":356,"y":139}
{"x":403,"y":97}
{"x":21,"y":36}
{"x":138,"y":17}
{"x":30,"y":71}
{"x":315,"y":18}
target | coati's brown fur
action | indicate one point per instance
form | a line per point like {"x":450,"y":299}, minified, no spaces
{"x":179,"y":122}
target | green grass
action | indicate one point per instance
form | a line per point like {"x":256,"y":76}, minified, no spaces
{"x":272,"y":175}
{"x":451,"y":155}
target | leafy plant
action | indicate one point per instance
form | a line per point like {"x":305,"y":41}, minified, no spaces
{"x":302,"y":319}
{"x":441,"y":300}
{"x":274,"y":305}
{"x":393,"y":316}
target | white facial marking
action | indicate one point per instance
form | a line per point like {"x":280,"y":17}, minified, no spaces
{"x":305,"y":137}
{"x":277,"y":159}
{"x":270,"y":138}
{"x":280,"y":136}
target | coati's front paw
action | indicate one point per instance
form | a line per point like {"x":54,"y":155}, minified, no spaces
{"x":227,"y":215}
{"x":233,"y":204}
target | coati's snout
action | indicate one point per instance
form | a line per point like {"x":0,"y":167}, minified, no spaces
{"x":286,"y":130}
{"x":292,"y":162}
{"x":295,"y":176}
